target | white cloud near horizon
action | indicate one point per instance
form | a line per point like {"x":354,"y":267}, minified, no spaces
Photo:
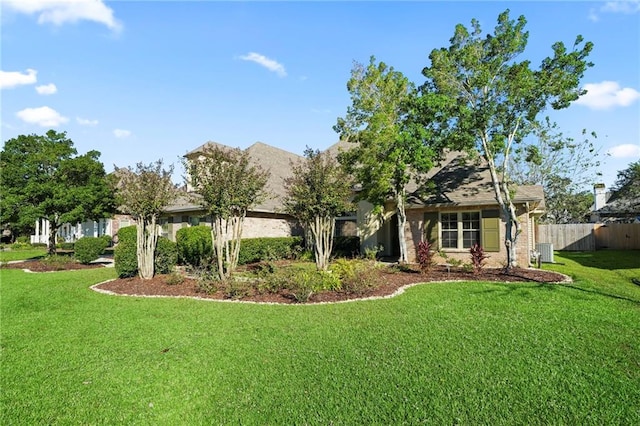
{"x":270,"y":64}
{"x":42,"y":116}
{"x":46,"y":89}
{"x":86,"y":122}
{"x":121,"y":133}
{"x":627,"y":150}
{"x":627,"y":7}
{"x":11,"y":79}
{"x":607,"y":94}
{"x":59,"y":12}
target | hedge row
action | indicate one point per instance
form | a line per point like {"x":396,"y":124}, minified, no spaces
{"x":258,"y":249}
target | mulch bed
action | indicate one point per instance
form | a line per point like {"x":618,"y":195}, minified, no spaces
{"x":392,"y":280}
{"x":40,"y":266}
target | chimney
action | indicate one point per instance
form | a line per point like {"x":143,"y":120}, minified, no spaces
{"x":600,"y":196}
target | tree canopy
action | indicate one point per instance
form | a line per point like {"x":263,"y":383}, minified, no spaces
{"x":227,"y":185}
{"x":387,"y":148}
{"x":43,"y":177}
{"x":317,"y":192}
{"x":498,"y":98}
{"x":144,"y":193}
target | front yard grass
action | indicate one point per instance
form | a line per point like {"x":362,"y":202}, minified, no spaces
{"x":474,"y":353}
{"x":22,"y":254}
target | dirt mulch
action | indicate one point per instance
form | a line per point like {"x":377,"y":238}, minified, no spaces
{"x":392,"y":281}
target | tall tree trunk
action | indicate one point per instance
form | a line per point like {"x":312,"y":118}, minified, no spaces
{"x":147,"y":237}
{"x":402,"y":220}
{"x":53,"y":230}
{"x":218,"y":241}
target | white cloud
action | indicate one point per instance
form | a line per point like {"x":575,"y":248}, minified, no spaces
{"x":270,"y":64}
{"x":42,"y":116}
{"x":10,"y":79}
{"x":121,"y":133}
{"x":627,"y":7}
{"x":59,"y":12}
{"x":606,"y":95}
{"x":46,"y":89}
{"x":86,"y":122}
{"x":627,"y":150}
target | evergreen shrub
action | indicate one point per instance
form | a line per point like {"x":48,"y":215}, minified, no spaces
{"x":194,"y":245}
{"x":88,"y":249}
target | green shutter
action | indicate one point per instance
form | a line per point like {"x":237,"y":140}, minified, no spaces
{"x":430,"y":229}
{"x":490,"y":229}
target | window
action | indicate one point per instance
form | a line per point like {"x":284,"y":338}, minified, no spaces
{"x":460,"y":230}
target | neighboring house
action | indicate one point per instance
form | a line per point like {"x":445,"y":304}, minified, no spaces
{"x":612,"y":207}
{"x":69,"y":233}
{"x":457,"y":212}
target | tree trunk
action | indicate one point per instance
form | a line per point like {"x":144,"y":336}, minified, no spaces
{"x":218,"y":241}
{"x":322,"y":229}
{"x":402,"y":220}
{"x":147,"y":237}
{"x":53,"y":230}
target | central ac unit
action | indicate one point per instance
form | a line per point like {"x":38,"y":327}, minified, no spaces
{"x":546,"y":252}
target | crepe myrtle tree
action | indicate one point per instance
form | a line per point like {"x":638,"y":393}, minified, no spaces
{"x":227,"y":186}
{"x":388,"y":149}
{"x":318,"y":191}
{"x":144,"y":193}
{"x":498,"y":98}
{"x":43,"y":177}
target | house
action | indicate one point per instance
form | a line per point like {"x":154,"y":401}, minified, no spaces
{"x":610,"y":207}
{"x":459,"y":210}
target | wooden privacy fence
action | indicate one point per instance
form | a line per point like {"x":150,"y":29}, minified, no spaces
{"x":590,"y":236}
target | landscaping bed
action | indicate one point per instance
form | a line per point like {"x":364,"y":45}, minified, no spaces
{"x":391,"y":279}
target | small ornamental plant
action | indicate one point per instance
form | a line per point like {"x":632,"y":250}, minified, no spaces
{"x":425,"y":256}
{"x":478,"y":257}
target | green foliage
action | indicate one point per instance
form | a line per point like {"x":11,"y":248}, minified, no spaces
{"x":356,"y":276}
{"x":497,"y":99}
{"x":18,"y":245}
{"x":194,"y":245}
{"x":627,"y":186}
{"x":66,"y":246}
{"x":174,"y":278}
{"x":125,"y":257}
{"x":58,"y":262}
{"x":107,"y":239}
{"x":260,"y":249}
{"x":166,"y":256}
{"x":88,"y":249}
{"x":22,"y":239}
{"x":60,"y":185}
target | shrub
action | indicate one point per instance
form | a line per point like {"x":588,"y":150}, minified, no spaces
{"x":107,"y":239}
{"x":166,"y":256}
{"x":88,"y":249}
{"x":22,"y":239}
{"x":174,"y":278}
{"x":194,"y":245}
{"x":259,"y":249}
{"x":20,"y":246}
{"x":346,"y":246}
{"x":57,"y":262}
{"x":125,"y":257}
{"x":67,"y":246}
{"x":425,"y":256}
{"x":356,"y":276}
{"x":478,"y":257}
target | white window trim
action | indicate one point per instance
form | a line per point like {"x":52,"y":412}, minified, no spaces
{"x":460,"y":245}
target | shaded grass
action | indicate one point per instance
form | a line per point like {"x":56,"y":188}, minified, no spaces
{"x":441,"y":353}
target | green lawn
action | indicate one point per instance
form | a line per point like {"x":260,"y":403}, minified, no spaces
{"x":471,"y":353}
{"x":22,"y":254}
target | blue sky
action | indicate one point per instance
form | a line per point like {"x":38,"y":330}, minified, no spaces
{"x":144,"y":80}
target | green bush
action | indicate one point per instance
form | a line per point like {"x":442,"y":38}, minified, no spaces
{"x":259,"y":249}
{"x":88,"y":249}
{"x":194,"y":245}
{"x":66,"y":246}
{"x":356,"y":276}
{"x":20,"y":246}
{"x":22,"y":239}
{"x":107,"y":239}
{"x":166,"y":256}
{"x":125,"y":257}
{"x":346,"y":247}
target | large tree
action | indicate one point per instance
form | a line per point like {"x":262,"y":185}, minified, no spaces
{"x":144,"y":193}
{"x":227,"y":185}
{"x":317,"y":192}
{"x":388,"y":150}
{"x":43,"y":177}
{"x":563,"y":166}
{"x":499,"y":98}
{"x":627,"y":188}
